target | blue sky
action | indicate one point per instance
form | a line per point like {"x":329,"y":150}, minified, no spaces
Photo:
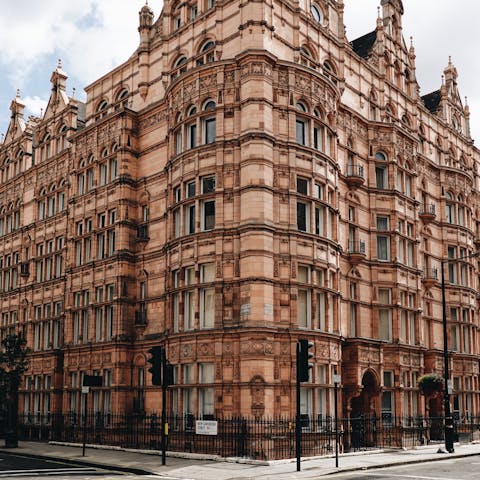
{"x":93,"y":36}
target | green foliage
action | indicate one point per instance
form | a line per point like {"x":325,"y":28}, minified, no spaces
{"x":13,"y":362}
{"x":430,"y":384}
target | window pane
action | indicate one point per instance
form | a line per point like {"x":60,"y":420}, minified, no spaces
{"x":302,"y":216}
{"x":300,"y":132}
{"x":209,"y":215}
{"x":210,"y":130}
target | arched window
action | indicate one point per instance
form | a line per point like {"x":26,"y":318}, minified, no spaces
{"x":179,"y":66}
{"x":209,"y":122}
{"x":61,"y":196}
{"x":206,"y":52}
{"x":123,"y":94}
{"x":178,"y":134}
{"x":301,"y":125}
{"x":62,"y":142}
{"x":102,"y":106}
{"x":406,"y":120}
{"x":18,"y":167}
{"x":390,"y":113}
{"x":191,"y":127}
{"x":450,"y":209}
{"x":381,"y":170}
{"x":404,"y":180}
{"x":318,"y":130}
{"x":45,"y":149}
{"x":317,"y":13}
{"x":461,"y":211}
{"x":307,"y":57}
{"x":177,"y":17}
{"x":6,"y":169}
{"x":180,"y":61}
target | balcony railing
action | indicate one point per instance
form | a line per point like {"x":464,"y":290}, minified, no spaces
{"x":356,"y":247}
{"x":428,"y":209}
{"x":355,"y":171}
{"x":430,"y":274}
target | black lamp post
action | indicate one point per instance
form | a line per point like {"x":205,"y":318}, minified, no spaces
{"x":447,"y":385}
{"x":446,"y":393}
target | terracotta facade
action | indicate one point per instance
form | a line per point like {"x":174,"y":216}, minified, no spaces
{"x":246,"y":178}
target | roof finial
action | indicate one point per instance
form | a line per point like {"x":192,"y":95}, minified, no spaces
{"x":41,"y":112}
{"x":443,"y":79}
{"x":378,"y":12}
{"x":73,"y":92}
{"x":18,"y":93}
{"x":449,"y":60}
{"x":466,"y":101}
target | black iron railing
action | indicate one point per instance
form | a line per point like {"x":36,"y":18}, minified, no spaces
{"x":264,"y":438}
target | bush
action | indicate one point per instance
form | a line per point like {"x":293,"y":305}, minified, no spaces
{"x":430,"y":384}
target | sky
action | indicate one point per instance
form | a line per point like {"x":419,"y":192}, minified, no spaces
{"x":93,"y":36}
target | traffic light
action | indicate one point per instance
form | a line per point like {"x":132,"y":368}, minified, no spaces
{"x":303,"y":356}
{"x":156,"y":368}
{"x":167,"y":377}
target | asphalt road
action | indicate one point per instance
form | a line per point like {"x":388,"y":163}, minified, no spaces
{"x":455,"y":469}
{"x":16,"y":466}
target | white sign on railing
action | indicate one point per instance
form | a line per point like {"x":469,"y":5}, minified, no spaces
{"x":206,"y":427}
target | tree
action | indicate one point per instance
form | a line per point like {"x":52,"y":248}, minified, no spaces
{"x":430,"y":384}
{"x":13,"y":363}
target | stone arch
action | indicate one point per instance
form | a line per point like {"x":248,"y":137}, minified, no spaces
{"x":366,"y":403}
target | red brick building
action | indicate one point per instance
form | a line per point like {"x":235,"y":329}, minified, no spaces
{"x":248,"y":177}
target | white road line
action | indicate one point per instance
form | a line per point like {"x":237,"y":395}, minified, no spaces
{"x":414,"y":477}
{"x":49,"y":470}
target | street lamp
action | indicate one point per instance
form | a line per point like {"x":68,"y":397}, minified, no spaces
{"x":447,"y":384}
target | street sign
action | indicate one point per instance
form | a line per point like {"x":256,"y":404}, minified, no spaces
{"x":85,"y":389}
{"x":206,"y":427}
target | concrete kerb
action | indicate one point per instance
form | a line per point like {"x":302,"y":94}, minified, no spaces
{"x":218,"y":458}
{"x":432,"y":458}
{"x":81,"y":463}
{"x":192,"y":456}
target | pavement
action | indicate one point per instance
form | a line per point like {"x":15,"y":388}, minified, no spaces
{"x":196,"y":467}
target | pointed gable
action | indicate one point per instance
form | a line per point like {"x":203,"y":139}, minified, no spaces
{"x":16,"y":126}
{"x":58,"y":98}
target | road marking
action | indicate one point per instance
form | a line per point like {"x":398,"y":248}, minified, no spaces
{"x":4,"y":473}
{"x":414,"y":477}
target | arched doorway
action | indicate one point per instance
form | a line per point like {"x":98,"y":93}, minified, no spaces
{"x":363,"y":414}
{"x":366,"y":403}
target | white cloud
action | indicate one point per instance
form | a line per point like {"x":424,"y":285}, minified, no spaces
{"x":35,"y":105}
{"x":91,"y":36}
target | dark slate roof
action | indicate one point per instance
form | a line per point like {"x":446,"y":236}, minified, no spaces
{"x":432,"y":100}
{"x":362,"y":45}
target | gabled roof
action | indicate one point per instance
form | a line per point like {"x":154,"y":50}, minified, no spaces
{"x":363,"y":45}
{"x":432,"y":100}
